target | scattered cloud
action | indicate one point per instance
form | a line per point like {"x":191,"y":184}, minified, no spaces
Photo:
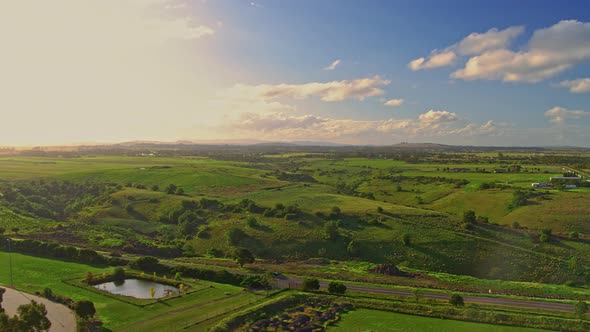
{"x":333,"y":65}
{"x":493,"y":39}
{"x":435,"y":118}
{"x":279,"y":125}
{"x":475,"y":43}
{"x":358,"y":89}
{"x":560,"y":115}
{"x":255,"y":4}
{"x":581,"y":85}
{"x":394,"y":102}
{"x":549,"y":52}
{"x":435,"y":60}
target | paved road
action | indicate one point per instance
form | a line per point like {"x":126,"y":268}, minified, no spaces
{"x":508,"y":302}
{"x":61,"y":317}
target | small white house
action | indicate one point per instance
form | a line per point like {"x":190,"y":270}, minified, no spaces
{"x":540,"y":185}
{"x":570,"y":186}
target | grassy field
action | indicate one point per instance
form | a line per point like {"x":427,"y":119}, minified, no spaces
{"x":32,"y":274}
{"x":383,"y":321}
{"x":131,"y":217}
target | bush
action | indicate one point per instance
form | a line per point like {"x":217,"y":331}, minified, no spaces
{"x":252,"y":221}
{"x":234,"y":235}
{"x":147,"y":264}
{"x":310,"y":285}
{"x":336,"y":288}
{"x":85,"y":309}
{"x":581,"y":308}
{"x":469,"y":217}
{"x":48,"y":293}
{"x":515,"y":225}
{"x":406,"y":239}
{"x":456,"y":300}
{"x":119,"y":274}
{"x":574,"y":235}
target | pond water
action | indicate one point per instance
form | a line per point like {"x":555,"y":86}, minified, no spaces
{"x":138,"y":288}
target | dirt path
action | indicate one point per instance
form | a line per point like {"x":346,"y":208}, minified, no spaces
{"x":61,"y":317}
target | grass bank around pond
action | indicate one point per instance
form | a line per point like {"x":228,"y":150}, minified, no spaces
{"x":32,"y":274}
{"x":377,"y":321}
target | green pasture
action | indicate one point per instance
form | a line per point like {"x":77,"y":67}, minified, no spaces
{"x":33,"y":274}
{"x":384,"y":321}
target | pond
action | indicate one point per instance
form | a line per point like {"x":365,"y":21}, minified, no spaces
{"x":138,"y":288}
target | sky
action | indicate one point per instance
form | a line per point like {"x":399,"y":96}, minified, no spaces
{"x":501,"y":73}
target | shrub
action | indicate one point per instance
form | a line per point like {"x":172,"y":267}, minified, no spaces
{"x":574,"y":235}
{"x":581,"y":308}
{"x":456,"y":300}
{"x":85,"y":309}
{"x":379,"y":209}
{"x":336,"y":288}
{"x":310,"y":285}
{"x":234,"y":235}
{"x":469,"y":216}
{"x":252,"y":221}
{"x":515,"y":225}
{"x":147,"y":264}
{"x":331,"y":229}
{"x":352,"y":248}
{"x":119,"y":274}
{"x":406,"y":239}
{"x":48,"y":293}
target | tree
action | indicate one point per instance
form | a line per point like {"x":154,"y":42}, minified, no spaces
{"x":155,"y":187}
{"x":119,"y":274}
{"x":235,"y":235}
{"x":2,"y":230}
{"x":456,"y":300}
{"x":419,"y":200}
{"x":171,"y":189}
{"x":336,"y":287}
{"x":243,"y":256}
{"x":406,"y":239}
{"x":469,"y":217}
{"x":353,"y":248}
{"x":379,"y":209}
{"x":331,"y":229}
{"x":179,"y":192}
{"x":147,"y":263}
{"x":15,"y":230}
{"x":33,"y":317}
{"x":581,"y":308}
{"x":572,"y":235}
{"x":310,"y":285}
{"x":519,"y":198}
{"x":252,"y":222}
{"x":85,"y":309}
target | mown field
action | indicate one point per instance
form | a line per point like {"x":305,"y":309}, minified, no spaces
{"x":384,"y":321}
{"x":33,"y":274}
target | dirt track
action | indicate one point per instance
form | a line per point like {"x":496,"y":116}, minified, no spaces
{"x":61,"y":317}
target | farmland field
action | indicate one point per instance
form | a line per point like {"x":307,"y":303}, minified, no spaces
{"x":33,"y":274}
{"x":383,"y":321}
{"x":461,"y":222}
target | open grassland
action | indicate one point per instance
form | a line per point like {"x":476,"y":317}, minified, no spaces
{"x":381,"y":202}
{"x":384,"y":321}
{"x":33,"y":274}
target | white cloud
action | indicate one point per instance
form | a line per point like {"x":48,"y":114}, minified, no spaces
{"x":435,"y":60}
{"x":550,"y":51}
{"x":394,"y":102}
{"x":581,"y":85}
{"x":437,"y":117}
{"x":493,"y":39}
{"x":474,"y":43}
{"x":560,"y":115}
{"x":333,"y":65}
{"x":329,"y":91}
{"x":279,"y":125}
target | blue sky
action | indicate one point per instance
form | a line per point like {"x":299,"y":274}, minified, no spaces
{"x":491,"y":73}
